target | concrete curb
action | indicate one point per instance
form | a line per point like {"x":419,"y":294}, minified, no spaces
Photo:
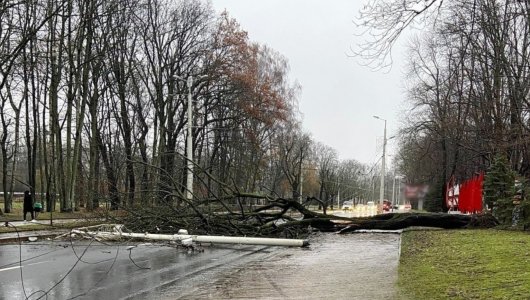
{"x":421,"y":228}
{"x":14,"y":238}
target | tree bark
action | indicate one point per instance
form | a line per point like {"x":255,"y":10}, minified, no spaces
{"x":395,"y":221}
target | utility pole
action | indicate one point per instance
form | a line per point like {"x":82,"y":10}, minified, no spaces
{"x":338,"y":196}
{"x":301,"y":182}
{"x":373,"y":189}
{"x":393,"y":192}
{"x":399,"y":191}
{"x":189,"y":137}
{"x":382,"y":187}
{"x":189,"y":144}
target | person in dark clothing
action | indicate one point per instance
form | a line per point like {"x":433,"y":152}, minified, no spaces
{"x":28,"y":205}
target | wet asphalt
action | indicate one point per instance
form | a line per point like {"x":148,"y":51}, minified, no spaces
{"x":352,"y":266}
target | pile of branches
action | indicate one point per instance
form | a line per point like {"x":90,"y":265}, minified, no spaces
{"x":279,"y":218}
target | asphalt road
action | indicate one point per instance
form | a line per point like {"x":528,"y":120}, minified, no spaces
{"x":354,"y":266}
{"x":95,"y":271}
{"x":349,"y":266}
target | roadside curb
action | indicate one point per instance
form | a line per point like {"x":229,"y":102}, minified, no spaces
{"x":14,"y":238}
{"x":421,"y":228}
{"x":23,"y":235}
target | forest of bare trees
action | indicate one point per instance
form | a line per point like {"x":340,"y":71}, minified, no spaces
{"x":468,"y":85}
{"x":94,"y":98}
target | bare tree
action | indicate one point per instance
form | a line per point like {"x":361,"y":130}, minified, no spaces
{"x":382,"y":22}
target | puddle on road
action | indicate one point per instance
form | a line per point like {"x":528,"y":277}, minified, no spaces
{"x":352,"y":266}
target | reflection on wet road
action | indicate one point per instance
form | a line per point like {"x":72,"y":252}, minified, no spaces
{"x":95,"y":271}
{"x":353,"y":266}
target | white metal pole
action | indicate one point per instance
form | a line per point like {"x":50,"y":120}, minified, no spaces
{"x":202,"y":238}
{"x":373,"y":188}
{"x":399,"y":191}
{"x":301,"y":183}
{"x":382,"y":187}
{"x":394,"y":192}
{"x":383,"y":159}
{"x":189,"y":144}
{"x":338,"y":197}
{"x":249,"y":241}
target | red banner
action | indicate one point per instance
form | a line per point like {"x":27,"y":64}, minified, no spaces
{"x":467,"y":196}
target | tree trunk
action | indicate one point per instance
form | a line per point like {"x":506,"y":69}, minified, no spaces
{"x":394,"y":221}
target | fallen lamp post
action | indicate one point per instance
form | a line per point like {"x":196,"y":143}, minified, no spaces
{"x":116,"y":233}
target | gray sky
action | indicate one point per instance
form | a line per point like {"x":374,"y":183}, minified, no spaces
{"x":339,"y":96}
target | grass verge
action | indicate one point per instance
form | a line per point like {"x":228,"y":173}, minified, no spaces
{"x":36,"y":227}
{"x":464,"y":264}
{"x":61,"y":220}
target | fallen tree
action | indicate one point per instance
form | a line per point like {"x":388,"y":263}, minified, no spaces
{"x":393,"y":221}
{"x":282,"y":218}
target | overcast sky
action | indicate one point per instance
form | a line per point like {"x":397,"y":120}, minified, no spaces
{"x":339,"y":96}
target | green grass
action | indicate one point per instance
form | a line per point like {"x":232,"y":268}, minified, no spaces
{"x":465,"y":264}
{"x":36,"y":227}
{"x":16,"y":213}
{"x":82,"y":217}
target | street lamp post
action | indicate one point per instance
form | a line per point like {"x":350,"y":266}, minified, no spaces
{"x":338,"y":196}
{"x":373,"y":189}
{"x":399,"y":191}
{"x":382,"y":187}
{"x":393,"y":192}
{"x":189,"y":144}
{"x":300,"y":198}
{"x":301,"y":183}
{"x":189,"y":140}
{"x":398,"y":195}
